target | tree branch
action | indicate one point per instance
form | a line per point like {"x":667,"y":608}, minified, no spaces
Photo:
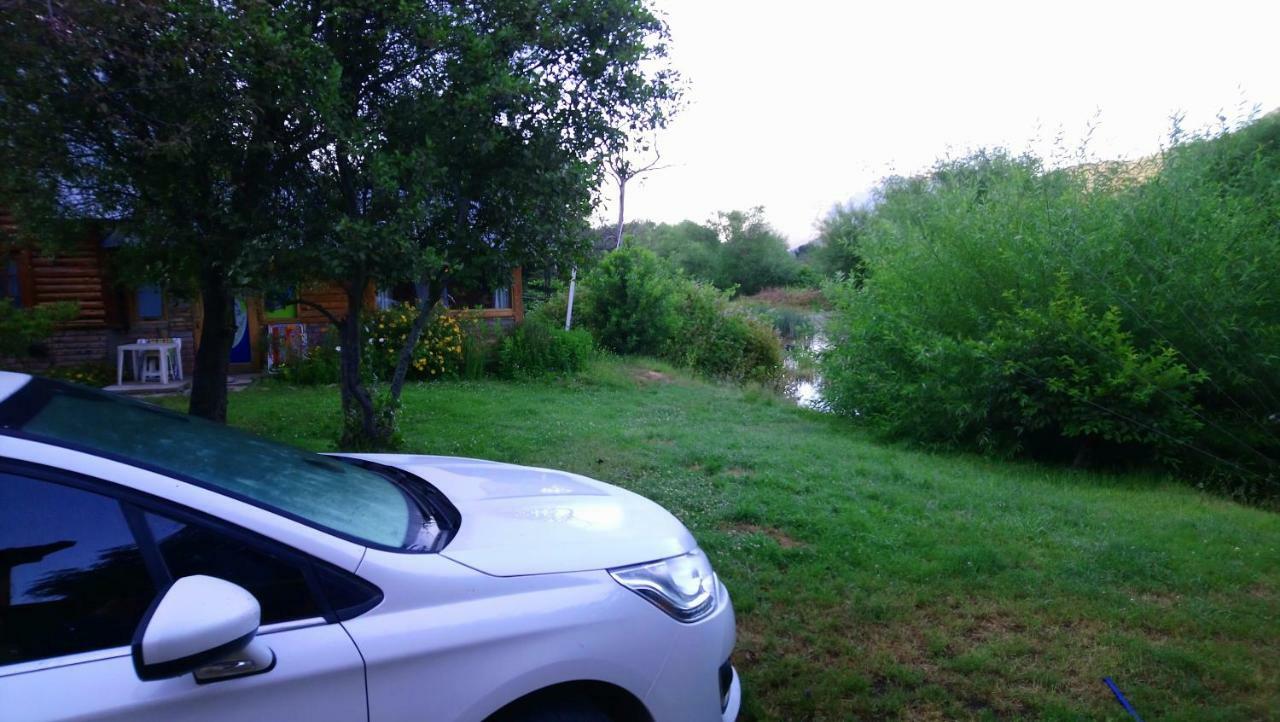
{"x":323,"y":311}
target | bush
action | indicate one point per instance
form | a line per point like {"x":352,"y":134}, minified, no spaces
{"x":536,"y":348}
{"x":438,"y":351}
{"x":320,"y":365}
{"x":1065,"y":372}
{"x":23,"y":328}
{"x":552,"y":310}
{"x":480,"y":341}
{"x":632,"y":302}
{"x":719,"y":342}
{"x":1141,"y":296}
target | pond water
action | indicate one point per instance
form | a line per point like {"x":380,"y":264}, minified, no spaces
{"x":803,"y":381}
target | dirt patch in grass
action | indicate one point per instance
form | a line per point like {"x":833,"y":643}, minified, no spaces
{"x":1164,"y":600}
{"x":737,"y":472}
{"x":981,"y":655}
{"x":773,"y":533}
{"x":1262,"y":591}
{"x":651,"y":376}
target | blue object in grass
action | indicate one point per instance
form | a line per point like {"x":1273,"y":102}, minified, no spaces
{"x":1120,"y":698}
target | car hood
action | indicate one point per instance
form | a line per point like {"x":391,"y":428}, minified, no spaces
{"x":524,"y":520}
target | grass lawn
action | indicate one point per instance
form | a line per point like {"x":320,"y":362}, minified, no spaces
{"x":873,"y":581}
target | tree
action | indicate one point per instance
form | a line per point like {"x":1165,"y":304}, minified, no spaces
{"x":838,"y":250}
{"x":753,"y":255}
{"x":623,"y":169}
{"x":176,"y":120}
{"x":687,"y":245}
{"x":462,"y":135}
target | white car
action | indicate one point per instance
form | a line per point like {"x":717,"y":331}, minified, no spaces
{"x":159,"y":567}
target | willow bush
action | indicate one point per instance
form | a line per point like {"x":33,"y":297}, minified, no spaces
{"x":634,"y":302}
{"x":1099,"y":313}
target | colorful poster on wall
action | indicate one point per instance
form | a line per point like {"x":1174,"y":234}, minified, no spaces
{"x":286,"y":343}
{"x":241,"y":348}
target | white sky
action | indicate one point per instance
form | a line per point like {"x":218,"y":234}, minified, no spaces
{"x":798,"y":104}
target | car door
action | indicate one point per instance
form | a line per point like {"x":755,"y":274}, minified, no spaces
{"x":80,"y":563}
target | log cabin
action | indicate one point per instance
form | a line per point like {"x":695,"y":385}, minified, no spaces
{"x":111,"y":313}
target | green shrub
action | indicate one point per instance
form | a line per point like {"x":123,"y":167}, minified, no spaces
{"x":1142,"y":295}
{"x":480,"y":342}
{"x":1065,"y":372}
{"x":630,"y":302}
{"x":319,"y":366}
{"x":536,"y":348}
{"x":552,"y":310}
{"x":720,"y":342}
{"x":633,"y":302}
{"x":437,"y":353}
{"x":22,"y":328}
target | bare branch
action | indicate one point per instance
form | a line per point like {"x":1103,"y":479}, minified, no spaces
{"x":323,"y":311}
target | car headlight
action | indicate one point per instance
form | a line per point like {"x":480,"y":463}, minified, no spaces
{"x":683,"y":586}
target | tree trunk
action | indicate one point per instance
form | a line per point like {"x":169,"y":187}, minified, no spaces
{"x":622,"y":201}
{"x":213,"y":356}
{"x":425,"y":307}
{"x":356,"y":402}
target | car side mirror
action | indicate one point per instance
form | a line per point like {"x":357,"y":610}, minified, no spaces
{"x":201,"y":624}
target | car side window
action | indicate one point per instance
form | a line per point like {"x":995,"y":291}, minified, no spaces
{"x":71,"y":576}
{"x":278,"y":582}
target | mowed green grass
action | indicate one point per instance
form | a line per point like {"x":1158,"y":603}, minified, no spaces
{"x":876,"y":582}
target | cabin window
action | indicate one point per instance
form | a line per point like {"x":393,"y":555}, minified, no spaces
{"x":399,"y":294}
{"x":10,"y":281}
{"x":502,"y":298}
{"x":149,"y":302}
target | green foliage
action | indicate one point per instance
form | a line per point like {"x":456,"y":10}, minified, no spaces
{"x":479,"y":346}
{"x":98,"y":374}
{"x":552,"y":309}
{"x":636,"y":303}
{"x":790,"y":322}
{"x":438,"y":352}
{"x":738,"y":250}
{"x":1065,"y":372}
{"x":319,"y":366}
{"x":1131,"y":306}
{"x":22,"y":328}
{"x":537,"y":348}
{"x":838,"y":250}
{"x":632,"y":306}
{"x":385,"y":434}
{"x":752,"y":255}
{"x":720,"y":342}
{"x":688,"y":246}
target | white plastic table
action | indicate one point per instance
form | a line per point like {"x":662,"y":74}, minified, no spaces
{"x":163,"y":349}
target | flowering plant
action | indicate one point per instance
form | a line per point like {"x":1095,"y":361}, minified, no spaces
{"x":437,"y":353}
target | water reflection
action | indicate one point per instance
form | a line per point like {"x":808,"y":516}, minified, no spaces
{"x":803,"y":381}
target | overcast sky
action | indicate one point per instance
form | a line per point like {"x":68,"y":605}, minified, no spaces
{"x":797,"y":105}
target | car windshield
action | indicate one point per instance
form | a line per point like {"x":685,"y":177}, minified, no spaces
{"x":319,"y":490}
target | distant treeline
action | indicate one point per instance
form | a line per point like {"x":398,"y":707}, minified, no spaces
{"x":740,"y":250}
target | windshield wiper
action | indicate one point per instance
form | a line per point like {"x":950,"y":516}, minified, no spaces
{"x":436,"y":520}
